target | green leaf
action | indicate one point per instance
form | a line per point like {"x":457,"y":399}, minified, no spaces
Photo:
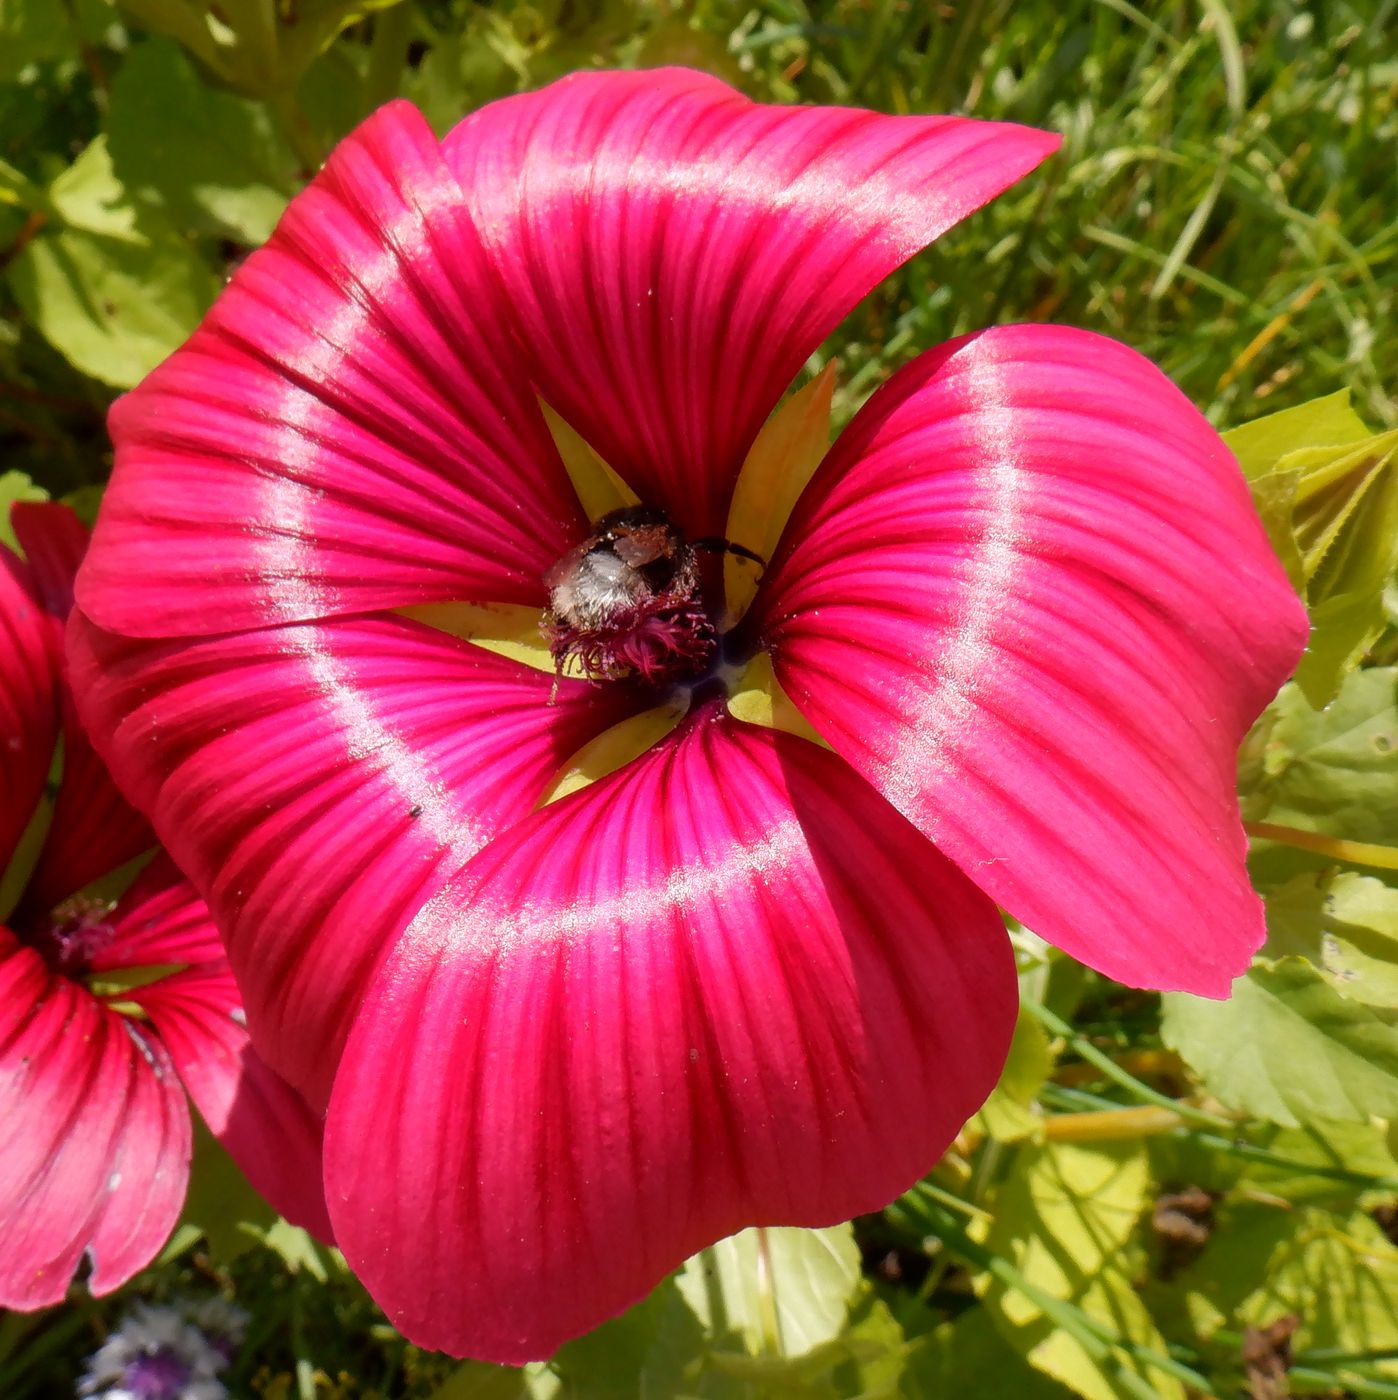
{"x":89,"y":196}
{"x":1063,"y":1218}
{"x":1334,"y":771}
{"x":1346,"y":925}
{"x":31,"y":30}
{"x":969,"y":1357}
{"x":115,"y":309}
{"x":1008,"y":1113}
{"x":1324,"y":422}
{"x":810,"y":1278}
{"x":1341,"y":1277}
{"x":1327,"y":491}
{"x":220,"y":1202}
{"x":259,"y":49}
{"x":15,"y":486}
{"x":224,"y":168}
{"x":1287,"y":1047}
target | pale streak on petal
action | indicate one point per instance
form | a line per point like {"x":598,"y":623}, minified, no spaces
{"x":703,"y":878}
{"x":370,"y":739}
{"x":945,"y":712}
{"x":286,"y":558}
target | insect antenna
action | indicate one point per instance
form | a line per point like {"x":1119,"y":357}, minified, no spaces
{"x":715,"y":544}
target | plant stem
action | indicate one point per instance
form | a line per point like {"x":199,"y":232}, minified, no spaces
{"x":1115,"y":1114}
{"x":1117,"y":1075}
{"x":1098,"y":1340}
{"x":1351,"y":852}
{"x":299,"y":132}
{"x":766,"y":1298}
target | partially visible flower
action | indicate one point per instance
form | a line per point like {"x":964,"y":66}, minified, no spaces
{"x":222,"y":1322}
{"x":106,"y":1004}
{"x":1024,"y":602}
{"x":156,"y":1353}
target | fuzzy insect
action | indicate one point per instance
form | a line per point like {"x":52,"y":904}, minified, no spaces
{"x":628,"y":600}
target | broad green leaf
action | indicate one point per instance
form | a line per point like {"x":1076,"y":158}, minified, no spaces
{"x":1063,"y":1217}
{"x":223,"y":168}
{"x":220,"y":1202}
{"x":31,"y":30}
{"x":1356,"y":1147}
{"x":1346,"y":925}
{"x":1327,"y":491}
{"x":1064,"y":1211}
{"x":1008,"y":1113}
{"x":255,"y":47}
{"x":89,"y":196}
{"x":115,"y":309}
{"x":1324,"y":422}
{"x":1334,"y":771}
{"x":1287,"y":1047}
{"x":656,"y":1348}
{"x":15,"y":486}
{"x":969,"y":1358}
{"x":1208,"y":1291}
{"x":1341,"y":1277}
{"x":808,"y":1276}
{"x":1110,"y":1298}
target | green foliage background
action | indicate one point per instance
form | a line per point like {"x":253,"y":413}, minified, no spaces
{"x":1154,"y":1177}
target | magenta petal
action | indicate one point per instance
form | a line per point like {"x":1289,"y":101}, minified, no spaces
{"x":726,"y":985}
{"x":673,"y":251}
{"x":94,"y":1136}
{"x":317,"y":783}
{"x":159,"y":920}
{"x":262,"y":1121}
{"x":1028,"y":598}
{"x":94,"y":829}
{"x":29,"y":669}
{"x":54,"y":541}
{"x":348,"y":430}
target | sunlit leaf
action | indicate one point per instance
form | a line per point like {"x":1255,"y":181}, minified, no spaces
{"x":1344,"y":923}
{"x":223,"y":168}
{"x":114,"y":309}
{"x":1287,"y":1047}
{"x":1340,"y":1277}
{"x":15,"y":486}
{"x":1327,"y":490}
{"x":1063,"y":1217}
{"x":1008,"y":1114}
{"x":807,"y":1276}
{"x":1334,"y":771}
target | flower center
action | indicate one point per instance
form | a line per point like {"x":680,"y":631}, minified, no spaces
{"x":70,"y":936}
{"x":629,"y":602}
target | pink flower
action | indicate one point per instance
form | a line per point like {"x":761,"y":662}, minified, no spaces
{"x":106,"y":1006}
{"x":746,"y":977}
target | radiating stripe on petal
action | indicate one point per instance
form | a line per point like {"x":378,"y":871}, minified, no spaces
{"x":94,"y":1136}
{"x":727,"y":984}
{"x":673,"y":251}
{"x":262,"y":1121}
{"x":349,"y":429}
{"x":1028,"y":598}
{"x":159,"y":920}
{"x":28,"y":700}
{"x":317,"y":783}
